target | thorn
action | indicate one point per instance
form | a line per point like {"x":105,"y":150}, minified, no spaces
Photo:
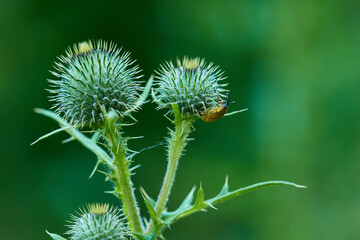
{"x":300,"y":186}
{"x":95,"y":168}
{"x":142,"y":191}
{"x":106,"y":174}
{"x":68,"y":140}
{"x":212,"y":206}
{"x":50,"y":134}
{"x":135,"y":167}
{"x":242,"y":110}
{"x":235,"y":112}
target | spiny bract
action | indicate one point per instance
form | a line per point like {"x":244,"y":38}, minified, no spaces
{"x":193,"y":85}
{"x":98,"y":222}
{"x":94,"y":78}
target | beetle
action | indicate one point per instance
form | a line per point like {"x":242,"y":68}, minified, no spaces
{"x":216,"y":112}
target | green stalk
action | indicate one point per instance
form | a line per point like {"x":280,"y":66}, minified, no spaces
{"x":177,"y":143}
{"x":121,"y":175}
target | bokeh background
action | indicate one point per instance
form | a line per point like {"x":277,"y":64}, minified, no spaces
{"x":294,"y":64}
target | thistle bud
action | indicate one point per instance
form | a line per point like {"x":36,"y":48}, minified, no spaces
{"x":94,"y":78}
{"x":193,"y":85}
{"x":98,"y":222}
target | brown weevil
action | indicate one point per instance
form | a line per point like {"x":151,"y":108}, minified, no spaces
{"x":216,"y":112}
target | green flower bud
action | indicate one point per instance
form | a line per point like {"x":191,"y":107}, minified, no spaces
{"x":193,"y":85}
{"x":94,"y":78}
{"x":98,"y":222}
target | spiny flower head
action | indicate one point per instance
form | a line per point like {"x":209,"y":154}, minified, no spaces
{"x":98,"y":222}
{"x":94,"y":78}
{"x":193,"y":85}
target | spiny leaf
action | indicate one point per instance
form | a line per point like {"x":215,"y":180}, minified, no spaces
{"x":157,"y":220}
{"x":224,"y":195}
{"x":170,"y":217}
{"x":240,"y":191}
{"x":55,"y":236}
{"x":87,"y":142}
{"x":198,"y":205}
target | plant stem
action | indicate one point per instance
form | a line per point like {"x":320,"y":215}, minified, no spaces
{"x":177,"y":143}
{"x":176,"y":146}
{"x":121,"y":176}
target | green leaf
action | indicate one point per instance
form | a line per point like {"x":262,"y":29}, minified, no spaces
{"x":87,"y":142}
{"x":148,"y":198}
{"x":188,"y":200}
{"x":187,"y":208}
{"x":55,"y":236}
{"x":170,"y":217}
{"x":150,"y":207}
{"x":223,"y":197}
{"x":200,"y":204}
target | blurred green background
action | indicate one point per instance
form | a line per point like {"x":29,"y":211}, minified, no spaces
{"x":294,"y":64}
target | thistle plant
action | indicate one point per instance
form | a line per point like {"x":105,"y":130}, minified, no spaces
{"x":96,"y":90}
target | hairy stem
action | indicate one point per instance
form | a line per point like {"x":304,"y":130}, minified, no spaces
{"x":176,"y":146}
{"x":177,"y":143}
{"x":121,"y":176}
